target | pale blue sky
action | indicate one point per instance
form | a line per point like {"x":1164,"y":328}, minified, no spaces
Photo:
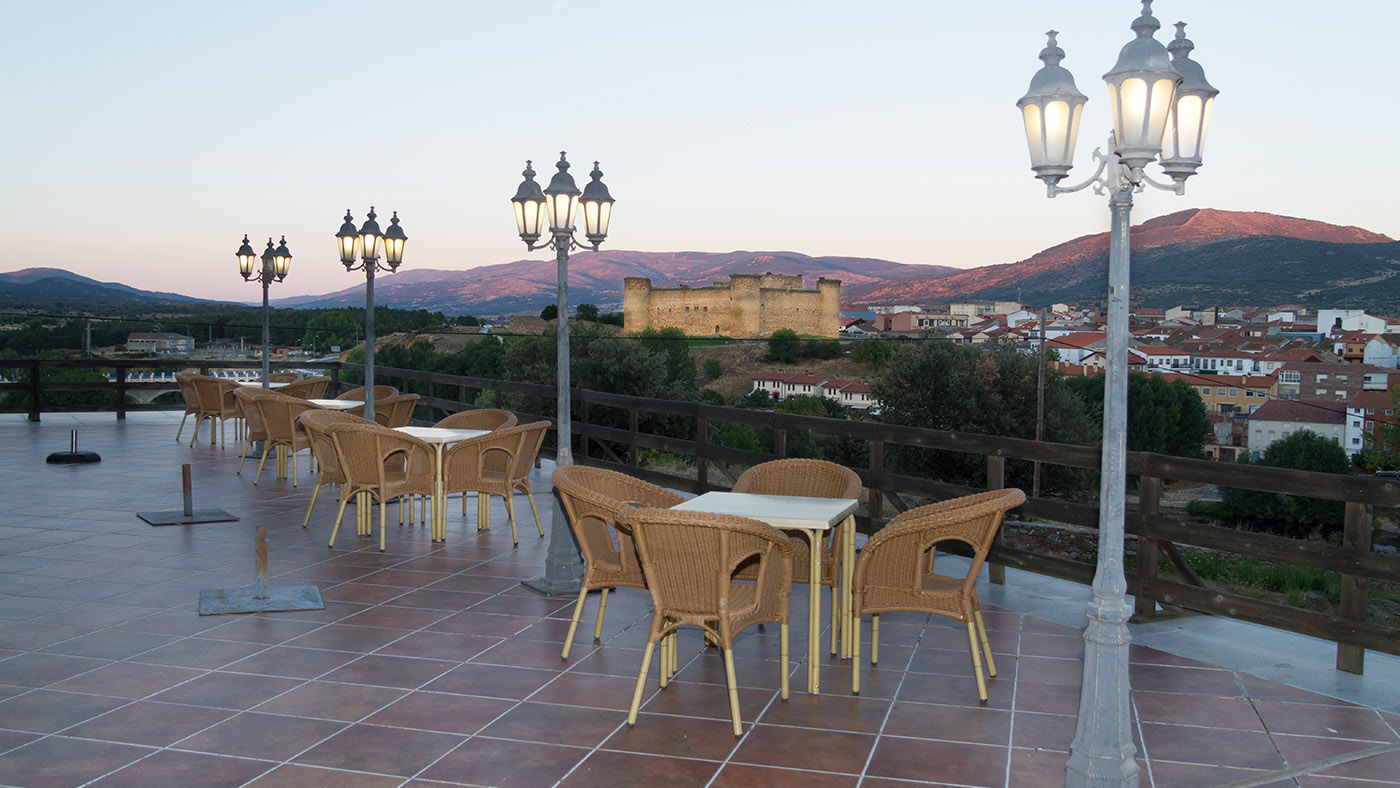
{"x":142,"y":139}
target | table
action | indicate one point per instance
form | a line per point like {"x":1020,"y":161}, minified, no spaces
{"x":813,"y":517}
{"x":258,"y":383}
{"x":337,"y":404}
{"x":440,"y":437}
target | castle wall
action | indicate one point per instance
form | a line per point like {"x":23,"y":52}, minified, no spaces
{"x":749,"y":305}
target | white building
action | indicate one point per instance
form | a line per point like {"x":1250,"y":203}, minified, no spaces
{"x":1277,"y":419}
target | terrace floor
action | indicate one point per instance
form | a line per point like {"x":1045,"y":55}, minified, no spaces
{"x":432,"y":664}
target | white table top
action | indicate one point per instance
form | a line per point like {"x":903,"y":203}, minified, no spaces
{"x":258,"y":383}
{"x":440,"y":434}
{"x":337,"y":404}
{"x":779,"y":511}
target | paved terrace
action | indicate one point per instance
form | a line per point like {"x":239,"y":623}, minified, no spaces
{"x":432,"y":665}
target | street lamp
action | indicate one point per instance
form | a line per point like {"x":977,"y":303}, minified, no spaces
{"x":1156,"y":101}
{"x":275,"y":263}
{"x":560,"y":204}
{"x":359,"y":249}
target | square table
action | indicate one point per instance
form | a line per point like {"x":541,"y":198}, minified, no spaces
{"x":440,"y":437}
{"x":258,"y":383}
{"x":813,"y":517}
{"x":337,"y":404}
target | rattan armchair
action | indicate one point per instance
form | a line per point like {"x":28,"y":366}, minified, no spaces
{"x":279,"y":414}
{"x":380,"y":463}
{"x":689,"y":560}
{"x":284,"y":377}
{"x":393,"y":411}
{"x":253,"y":428}
{"x":497,"y":463}
{"x":358,"y":393}
{"x":215,"y":402}
{"x":317,"y":424}
{"x":185,"y":380}
{"x":813,"y":479}
{"x":306,"y":388}
{"x":592,"y":499}
{"x":478,"y":419}
{"x":895,"y":571}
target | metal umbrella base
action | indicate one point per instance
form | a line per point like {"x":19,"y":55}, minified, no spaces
{"x":259,"y":598}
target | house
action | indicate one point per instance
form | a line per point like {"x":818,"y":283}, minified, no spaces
{"x":1269,"y":363}
{"x":857,"y":396}
{"x":771,"y":382}
{"x":1228,"y":393}
{"x":1382,"y":350}
{"x":1369,"y":415}
{"x":162,"y":344}
{"x":1225,"y":362}
{"x":1329,"y":382}
{"x":1278,"y":419}
{"x":1159,"y":358}
{"x":1074,"y":347}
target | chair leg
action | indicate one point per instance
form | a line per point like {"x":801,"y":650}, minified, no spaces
{"x":261,"y":463}
{"x":875,"y":638}
{"x":510,"y":512}
{"x":182,"y":427}
{"x":536,"y":512}
{"x":247,"y":444}
{"x":986,"y":646}
{"x":382,"y":505}
{"x":344,"y":499}
{"x":835,"y":619}
{"x":663,"y":666}
{"x":641,"y":683}
{"x":194,"y":436}
{"x":730,"y":681}
{"x":855,"y":654}
{"x":783,"y":640}
{"x":314,"y":492}
{"x":293,"y":458}
{"x":602,"y":608}
{"x":976,"y":660}
{"x":573,"y":622}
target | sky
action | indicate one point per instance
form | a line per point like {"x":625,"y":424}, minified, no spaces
{"x":143,"y":139}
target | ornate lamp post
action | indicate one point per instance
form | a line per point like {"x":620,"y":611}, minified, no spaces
{"x":560,"y":203}
{"x":359,"y":249}
{"x":275,"y":263}
{"x":1161,"y":107}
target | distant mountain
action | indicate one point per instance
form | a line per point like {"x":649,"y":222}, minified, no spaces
{"x":29,"y":286}
{"x":526,"y":286}
{"x":1196,"y":256}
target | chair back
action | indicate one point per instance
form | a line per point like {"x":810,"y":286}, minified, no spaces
{"x":244,"y":396}
{"x":317,"y":423}
{"x":495,"y":461}
{"x":367,"y":453}
{"x":593,"y":498}
{"x":279,"y":415}
{"x":358,"y":393}
{"x":810,"y":478}
{"x":531,"y":436}
{"x":395,"y":411}
{"x":307,"y":388}
{"x":478,"y":419}
{"x":185,"y":380}
{"x":283,"y":377}
{"x":213,"y":395}
{"x":689,"y":560}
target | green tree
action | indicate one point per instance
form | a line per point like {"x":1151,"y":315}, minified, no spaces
{"x":821,"y":348}
{"x":713,"y":368}
{"x":1304,"y":450}
{"x":672,"y":344}
{"x":333,"y":328}
{"x":550,"y":312}
{"x":875,"y":352}
{"x":1165,"y":418}
{"x":783,"y":346}
{"x":587,"y":312}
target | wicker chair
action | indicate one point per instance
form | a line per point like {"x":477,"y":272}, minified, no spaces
{"x":279,"y":414}
{"x":478,"y":419}
{"x":185,"y":380}
{"x":498,"y":463}
{"x":394,"y":411}
{"x":813,"y":479}
{"x":895,"y":571}
{"x":689,"y":560}
{"x":317,"y":424}
{"x":253,"y":428}
{"x":283,"y":377}
{"x":307,"y":388}
{"x":215,"y":402}
{"x":358,"y":393}
{"x":592,"y":499}
{"x":381,"y":463}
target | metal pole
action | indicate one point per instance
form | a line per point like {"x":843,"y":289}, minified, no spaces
{"x":261,"y":556}
{"x":369,"y":339}
{"x":267,"y":364}
{"x":565,"y":454}
{"x":1039,"y":407}
{"x":185,"y":488}
{"x":1101,"y":754}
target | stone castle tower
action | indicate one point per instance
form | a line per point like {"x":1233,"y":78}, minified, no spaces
{"x":748,"y":305}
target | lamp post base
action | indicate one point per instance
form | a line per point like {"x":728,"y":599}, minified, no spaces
{"x":563,"y":569}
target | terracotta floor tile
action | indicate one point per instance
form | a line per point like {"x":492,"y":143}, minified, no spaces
{"x":39,"y":670}
{"x":977,"y":725}
{"x":292,"y":662}
{"x":363,"y":593}
{"x":954,"y":690}
{"x":29,"y":635}
{"x":46,"y":711}
{"x":527,"y":654}
{"x":199,"y":653}
{"x":549,"y":724}
{"x":440,"y":645}
{"x":739,"y":775}
{"x":609,"y":661}
{"x":394,"y":617}
{"x":154,"y":724}
{"x":937,"y":761}
{"x":340,"y":637}
{"x":1189,"y":681}
{"x":858,"y":714}
{"x":110,"y":644}
{"x":1040,"y":769}
{"x":266,"y":736}
{"x":170,"y":622}
{"x":469,"y":622}
{"x":387,"y":671}
{"x":57,"y":762}
{"x":493,"y":681}
{"x":185,"y":768}
{"x":332,"y":701}
{"x":1300,"y":750}
{"x":706,"y":700}
{"x":297,"y":776}
{"x":506,"y":764}
{"x":1034,"y":644}
{"x":1186,"y":775}
{"x":1049,"y":670}
{"x":520,"y":606}
{"x":434,"y":599}
{"x":685,"y":737}
{"x":261,"y":629}
{"x":1212,"y":712}
{"x":370,"y":748}
{"x":9,"y":740}
{"x":1047,"y":698}
{"x":822,"y":750}
{"x":605,"y":769}
{"x":579,"y":689}
{"x":128,"y":679}
{"x":1043,"y":731}
{"x":226,"y":690}
{"x":476,"y":583}
{"x":1217,"y":746}
{"x":432,"y":711}
{"x":1348,"y":722}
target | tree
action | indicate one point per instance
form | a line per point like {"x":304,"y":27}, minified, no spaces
{"x":875,"y":352}
{"x":671,"y":343}
{"x":713,"y":368}
{"x":1304,"y":450}
{"x":1165,"y":418}
{"x":550,"y":312}
{"x":587,"y":312}
{"x":333,"y":328}
{"x":821,"y":348}
{"x":783,"y":346}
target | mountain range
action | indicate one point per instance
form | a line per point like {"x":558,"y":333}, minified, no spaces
{"x":1197,"y":256}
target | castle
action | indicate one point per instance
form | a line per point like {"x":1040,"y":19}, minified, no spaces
{"x":748,"y":305}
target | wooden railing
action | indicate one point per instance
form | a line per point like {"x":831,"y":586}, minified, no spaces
{"x":889,"y":492}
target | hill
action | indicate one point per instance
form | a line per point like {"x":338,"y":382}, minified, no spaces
{"x":31,"y":286}
{"x":526,"y":286}
{"x":1194,"y":256}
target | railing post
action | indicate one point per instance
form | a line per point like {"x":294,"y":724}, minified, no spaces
{"x":34,"y":392}
{"x":702,"y":439}
{"x":996,"y":480}
{"x":877,"y":494}
{"x":632,"y":439}
{"x":433,"y":410}
{"x":1149,"y":503}
{"x":121,"y":393}
{"x":1357,"y":536}
{"x":335,"y":380}
{"x":582,"y":428}
{"x":780,"y":442}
